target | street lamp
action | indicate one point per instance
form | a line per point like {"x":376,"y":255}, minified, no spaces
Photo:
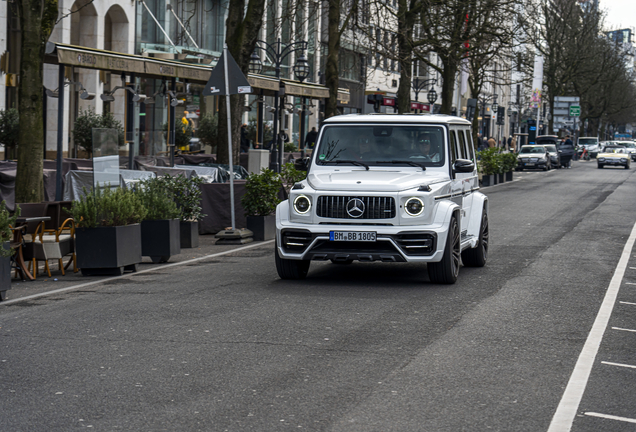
{"x":278,"y":53}
{"x":419,"y":85}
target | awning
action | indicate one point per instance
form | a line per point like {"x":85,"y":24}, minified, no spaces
{"x":314,"y":91}
{"x":91,"y":58}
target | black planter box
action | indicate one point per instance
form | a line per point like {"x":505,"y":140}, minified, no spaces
{"x":108,"y":250}
{"x":189,"y":234}
{"x":501,"y":178}
{"x":5,"y":271}
{"x":160,"y":239}
{"x":263,"y":227}
{"x":509,"y":176}
{"x":488,"y":180}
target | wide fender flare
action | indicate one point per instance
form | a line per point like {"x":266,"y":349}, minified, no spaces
{"x":282,"y":212}
{"x":444,"y":211}
{"x":479,"y":206}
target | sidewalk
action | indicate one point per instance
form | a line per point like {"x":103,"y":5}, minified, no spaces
{"x":43,"y":283}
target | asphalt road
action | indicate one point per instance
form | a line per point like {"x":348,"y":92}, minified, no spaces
{"x":223,"y":344}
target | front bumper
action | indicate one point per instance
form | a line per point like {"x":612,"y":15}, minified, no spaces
{"x":613,"y":162}
{"x":532,"y":165}
{"x":393,"y":243}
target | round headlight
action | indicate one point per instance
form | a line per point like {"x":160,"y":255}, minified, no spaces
{"x":302,"y":204}
{"x":414,"y":206}
{"x":601,"y":159}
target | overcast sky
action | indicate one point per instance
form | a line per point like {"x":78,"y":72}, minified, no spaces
{"x":620,"y":13}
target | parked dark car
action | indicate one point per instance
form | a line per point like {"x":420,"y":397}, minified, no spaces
{"x":565,"y":151}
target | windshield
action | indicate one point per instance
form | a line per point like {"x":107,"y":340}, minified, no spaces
{"x":382,"y":144}
{"x":587,"y":141}
{"x":629,"y":145}
{"x":526,"y":149}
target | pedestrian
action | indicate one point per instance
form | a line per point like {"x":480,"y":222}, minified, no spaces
{"x":245,"y":142}
{"x":509,"y":141}
{"x":513,"y":145}
{"x":491,"y":142}
{"x":480,"y":142}
{"x":310,"y":139}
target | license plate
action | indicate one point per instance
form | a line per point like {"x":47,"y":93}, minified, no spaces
{"x":529,"y":163}
{"x":359,"y":236}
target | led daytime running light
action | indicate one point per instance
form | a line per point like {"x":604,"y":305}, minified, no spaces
{"x":299,"y":197}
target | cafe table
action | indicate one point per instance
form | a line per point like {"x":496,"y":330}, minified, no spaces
{"x":18,"y":242}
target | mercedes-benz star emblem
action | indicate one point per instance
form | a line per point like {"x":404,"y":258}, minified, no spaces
{"x":355,"y":208}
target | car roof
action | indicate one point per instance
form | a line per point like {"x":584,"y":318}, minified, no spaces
{"x":398,"y":118}
{"x":535,"y":145}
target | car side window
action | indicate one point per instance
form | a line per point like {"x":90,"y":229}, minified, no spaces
{"x":453,"y":146}
{"x":470,"y":149}
{"x":462,"y":145}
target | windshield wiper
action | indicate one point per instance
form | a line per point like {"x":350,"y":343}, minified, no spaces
{"x":408,"y":162}
{"x":352,"y":162}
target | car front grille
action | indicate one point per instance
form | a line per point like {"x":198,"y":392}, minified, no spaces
{"x":335,"y":207}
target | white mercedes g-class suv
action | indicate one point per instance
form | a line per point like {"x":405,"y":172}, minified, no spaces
{"x":390,"y":188}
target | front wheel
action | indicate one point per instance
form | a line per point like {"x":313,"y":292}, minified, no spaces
{"x":447,"y":270}
{"x":600,"y":166}
{"x":477,"y":256}
{"x":627,"y":166}
{"x":291,"y":269}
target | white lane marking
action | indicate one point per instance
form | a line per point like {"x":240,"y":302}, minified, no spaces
{"x":569,"y":404}
{"x":619,"y":364}
{"x":611,"y":417}
{"x":629,"y":303}
{"x":623,"y":329}
{"x":633,"y":268}
{"x":630,"y":283}
{"x":84,"y":285}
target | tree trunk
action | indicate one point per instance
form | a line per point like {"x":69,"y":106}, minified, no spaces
{"x":37,"y":18}
{"x":243,"y":25}
{"x":331,"y":66}
{"x":406,"y":22}
{"x":448,"y":84}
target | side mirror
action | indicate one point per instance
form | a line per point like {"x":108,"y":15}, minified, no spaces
{"x":302,"y":164}
{"x":464,"y":166}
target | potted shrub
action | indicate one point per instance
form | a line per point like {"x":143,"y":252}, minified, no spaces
{"x":9,"y":130}
{"x":186,"y":193}
{"x":208,"y":130}
{"x":260,"y":201}
{"x":89,"y":120}
{"x":489,"y":166}
{"x":6,"y":220}
{"x":509,"y":163}
{"x":160,"y":231}
{"x":108,"y":231}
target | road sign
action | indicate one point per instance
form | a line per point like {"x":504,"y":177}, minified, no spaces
{"x":575,"y":110}
{"x":567,"y":99}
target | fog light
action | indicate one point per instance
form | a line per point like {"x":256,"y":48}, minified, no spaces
{"x":302,"y":204}
{"x":414,"y":206}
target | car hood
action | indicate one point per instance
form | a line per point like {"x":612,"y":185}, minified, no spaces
{"x":373,"y":180}
{"x":531,"y":155}
{"x":612,"y":155}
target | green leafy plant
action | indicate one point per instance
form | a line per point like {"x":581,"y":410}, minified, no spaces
{"x":107,"y":207}
{"x":261,"y":193}
{"x":9,"y":128}
{"x":252,"y":125}
{"x":89,"y":120}
{"x":208,"y":130}
{"x":290,"y":176}
{"x":489,"y":161}
{"x":7,"y":220}
{"x":158,"y":203}
{"x":290,"y":147}
{"x":186,"y":193}
{"x":182,"y":133}
{"x":508,"y":161}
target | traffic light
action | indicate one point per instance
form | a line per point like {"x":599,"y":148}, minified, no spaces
{"x":471,"y":107}
{"x":375,"y":100}
{"x":501,"y":115}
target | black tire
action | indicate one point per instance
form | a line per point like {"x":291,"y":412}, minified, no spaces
{"x":600,"y":166}
{"x":3,"y":295}
{"x":477,"y":257}
{"x":447,"y":270}
{"x":291,"y":269}
{"x":347,"y":262}
{"x":627,"y":166}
